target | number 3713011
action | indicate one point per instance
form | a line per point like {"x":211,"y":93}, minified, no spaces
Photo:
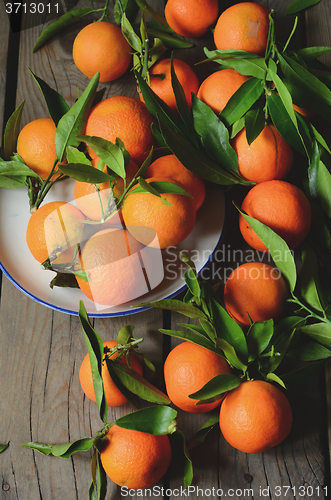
{"x":32,"y":8}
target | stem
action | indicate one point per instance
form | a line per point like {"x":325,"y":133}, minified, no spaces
{"x":324,"y":319}
{"x":123,"y":347}
{"x":103,"y":10}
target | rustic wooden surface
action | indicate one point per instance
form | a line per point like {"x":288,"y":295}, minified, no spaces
{"x":41,"y":349}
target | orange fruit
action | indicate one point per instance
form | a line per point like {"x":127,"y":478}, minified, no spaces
{"x":156,"y":224}
{"x":160,"y":81}
{"x":110,"y":257}
{"x":243,"y":26}
{"x":36,"y":146}
{"x":170,"y":166}
{"x":191,"y":18}
{"x":255,"y":416}
{"x":281,"y":206}
{"x":217,"y":88}
{"x":88,"y":199}
{"x":267,"y":158}
{"x":257,"y":289}
{"x":126,"y":118}
{"x":135,"y":459}
{"x":113,"y":395}
{"x":54,"y":228}
{"x":101,"y":47}
{"x":187,"y":368}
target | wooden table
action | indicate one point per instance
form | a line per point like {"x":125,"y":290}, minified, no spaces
{"x":41,"y":349}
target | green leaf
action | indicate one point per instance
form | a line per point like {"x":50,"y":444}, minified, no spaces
{"x":176,"y":305}
{"x":168,"y":39}
{"x":195,"y":160}
{"x":159,"y":109}
{"x":214,"y":135}
{"x":156,"y":420}
{"x":57,"y":26}
{"x":138,"y":385}
{"x":215,"y":388}
{"x":192,"y":337}
{"x":229,"y":330}
{"x":101,"y":479}
{"x":129,"y":8}
{"x":272,"y":376}
{"x":300,"y":5}
{"x":321,"y":332}
{"x":310,"y":286}
{"x":130,"y":35}
{"x":76,"y":156}
{"x":180,"y":451}
{"x":159,"y":187}
{"x":12,"y":130}
{"x":306,"y":350}
{"x":285,"y":95}
{"x":258,"y":338}
{"x":62,"y":450}
{"x":323,"y":186}
{"x":278,"y":248}
{"x":124,"y":336}
{"x":95,"y":349}
{"x":56,"y":104}
{"x":192,"y":283}
{"x":254,"y":122}
{"x":230,"y":354}
{"x":72,"y":124}
{"x":151,"y":12}
{"x":242,"y":100}
{"x":283,"y":123}
{"x":3,"y":447}
{"x":85,"y":173}
{"x":305,"y":88}
{"x":13,"y":174}
{"x":109,"y":153}
{"x":202,"y":433}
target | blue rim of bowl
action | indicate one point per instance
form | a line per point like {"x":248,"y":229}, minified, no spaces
{"x":119,"y":313}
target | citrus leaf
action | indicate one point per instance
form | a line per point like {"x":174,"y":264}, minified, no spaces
{"x":101,"y":477}
{"x":215,"y":388}
{"x":278,"y":248}
{"x":151,"y":12}
{"x":3,"y":447}
{"x":192,"y":283}
{"x":85,"y":173}
{"x":130,"y":396}
{"x":299,"y":5}
{"x":284,"y":94}
{"x":56,"y":104}
{"x":258,"y":338}
{"x":230,"y":354}
{"x":125,"y":335}
{"x":76,"y":156}
{"x":109,"y":153}
{"x":170,"y":40}
{"x":228,"y":330}
{"x":272,"y":376}
{"x":138,"y":385}
{"x":310,"y":286}
{"x":57,"y":26}
{"x":159,"y":187}
{"x":202,"y":433}
{"x":214,"y":135}
{"x":130,"y":35}
{"x":72,"y":124}
{"x":62,"y":450}
{"x":176,"y":305}
{"x":196,"y":329}
{"x":242,"y":100}
{"x":180,"y":451}
{"x":221,"y":55}
{"x":191,"y":337}
{"x":12,"y":130}
{"x":306,"y":350}
{"x":95,"y":349}
{"x":156,"y":420}
{"x":323,"y":185}
{"x":127,"y":7}
{"x":321,"y":332}
{"x":159,"y":109}
{"x":305,"y":88}
{"x":283,"y":123}
{"x":196,"y":160}
{"x":254,"y":122}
